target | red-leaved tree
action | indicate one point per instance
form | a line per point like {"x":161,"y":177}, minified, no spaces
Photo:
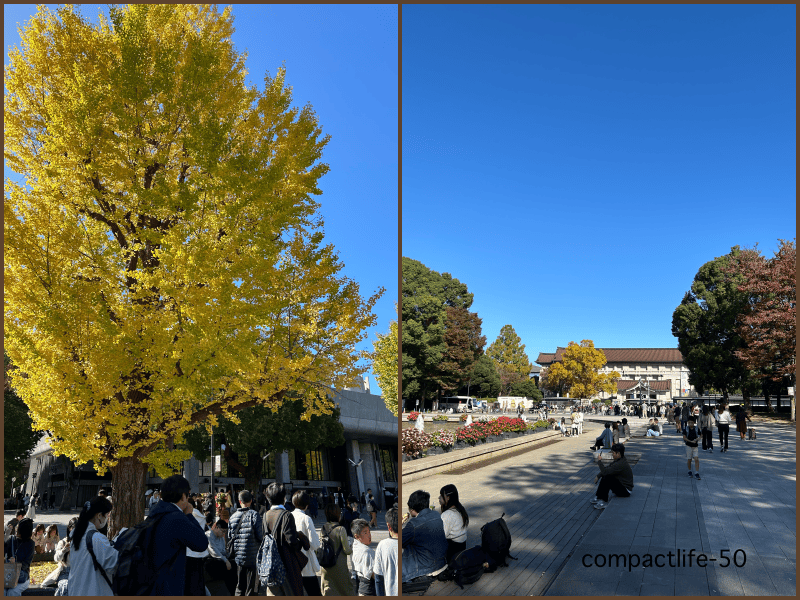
{"x":768,"y":325}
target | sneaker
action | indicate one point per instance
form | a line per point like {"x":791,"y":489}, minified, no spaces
{"x":600,"y":504}
{"x":711,"y":450}
{"x":697,"y":475}
{"x":690,"y":473}
{"x":594,"y":500}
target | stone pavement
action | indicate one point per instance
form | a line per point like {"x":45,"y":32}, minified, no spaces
{"x":746,"y":501}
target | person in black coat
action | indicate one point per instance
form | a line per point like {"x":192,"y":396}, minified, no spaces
{"x":177,"y":531}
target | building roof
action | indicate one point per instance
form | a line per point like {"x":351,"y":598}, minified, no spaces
{"x":622,"y":355}
{"x":661,"y":385}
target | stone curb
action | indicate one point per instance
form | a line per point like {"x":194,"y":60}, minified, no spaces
{"x":432,"y":465}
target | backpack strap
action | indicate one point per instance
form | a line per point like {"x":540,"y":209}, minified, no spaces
{"x":97,"y":565}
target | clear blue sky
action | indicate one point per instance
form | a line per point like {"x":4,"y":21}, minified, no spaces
{"x":344,"y":61}
{"x":576,"y":165}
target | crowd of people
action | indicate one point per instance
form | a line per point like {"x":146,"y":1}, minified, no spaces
{"x":197,"y":544}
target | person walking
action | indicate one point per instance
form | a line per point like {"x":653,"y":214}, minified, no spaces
{"x":280,"y":524}
{"x":31,"y":505}
{"x":741,"y":421}
{"x":90,"y":546}
{"x":246,"y":531}
{"x":305,"y":525}
{"x":676,"y":415}
{"x":336,"y":579}
{"x":706,"y":423}
{"x":685,"y":414}
{"x":373,"y":512}
{"x":723,"y":420}
{"x":690,"y":438}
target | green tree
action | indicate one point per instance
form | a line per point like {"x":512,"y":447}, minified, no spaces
{"x":484,"y":382}
{"x":426,"y":294}
{"x":464,"y":345}
{"x":707,"y":323}
{"x":510,"y":359}
{"x":18,"y":435}
{"x":254,"y":432}
{"x":526,"y":388}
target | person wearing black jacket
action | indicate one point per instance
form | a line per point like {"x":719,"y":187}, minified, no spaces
{"x":616,"y":477}
{"x":279,"y":523}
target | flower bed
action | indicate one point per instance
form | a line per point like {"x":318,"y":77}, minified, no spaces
{"x":440,"y":418}
{"x":412,"y":416}
{"x":442,"y":438}
{"x":415,"y":442}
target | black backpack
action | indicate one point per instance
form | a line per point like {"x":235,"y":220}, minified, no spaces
{"x":325,"y":554}
{"x":496,"y":541}
{"x":136,"y":572}
{"x":468,"y":565}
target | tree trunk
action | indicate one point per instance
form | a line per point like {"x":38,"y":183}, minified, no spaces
{"x":69,"y":483}
{"x":778,"y":402}
{"x":129,"y":478}
{"x":746,"y":400}
{"x":794,"y":406}
{"x":252,"y":474}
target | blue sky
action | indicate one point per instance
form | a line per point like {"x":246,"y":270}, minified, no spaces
{"x":344,"y":61}
{"x":576,"y":165}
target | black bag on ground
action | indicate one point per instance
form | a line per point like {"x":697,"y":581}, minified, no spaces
{"x":496,"y":541}
{"x":136,"y":574}
{"x":468,"y":565}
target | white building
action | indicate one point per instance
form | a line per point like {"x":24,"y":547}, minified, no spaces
{"x":661,"y":369}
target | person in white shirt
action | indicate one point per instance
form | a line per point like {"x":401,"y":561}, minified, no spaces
{"x":455,"y":520}
{"x":385,"y":566}
{"x":363,"y":557}
{"x":305,"y":524}
{"x":723,"y":426}
{"x":84,"y":579}
{"x":195,"y":574}
{"x":580,"y":422}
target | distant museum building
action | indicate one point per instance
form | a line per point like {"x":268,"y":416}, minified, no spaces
{"x":659,"y":373}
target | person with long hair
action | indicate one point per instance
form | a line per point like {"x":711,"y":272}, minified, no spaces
{"x":38,"y":538}
{"x":741,"y":421}
{"x":723,"y":420}
{"x":61,"y":556}
{"x":20,"y":549}
{"x":706,"y":422}
{"x":336,"y":579}
{"x":455,"y":520}
{"x":84,"y":578}
{"x":51,"y":538}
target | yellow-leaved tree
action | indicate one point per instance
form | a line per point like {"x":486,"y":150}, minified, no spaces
{"x":384,"y":366}
{"x":164,"y":260}
{"x":579,"y":372}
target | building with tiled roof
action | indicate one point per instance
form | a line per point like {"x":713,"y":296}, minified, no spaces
{"x":658,"y":373}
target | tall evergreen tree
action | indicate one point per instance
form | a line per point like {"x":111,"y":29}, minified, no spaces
{"x":426,"y":294}
{"x":707,"y":326}
{"x":18,"y":435}
{"x":511,"y":361}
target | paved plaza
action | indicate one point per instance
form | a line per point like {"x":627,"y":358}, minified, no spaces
{"x":745,"y":501}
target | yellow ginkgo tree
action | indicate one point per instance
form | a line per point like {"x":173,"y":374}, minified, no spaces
{"x":164,"y":257}
{"x":384,"y":365}
{"x":578,"y":372}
